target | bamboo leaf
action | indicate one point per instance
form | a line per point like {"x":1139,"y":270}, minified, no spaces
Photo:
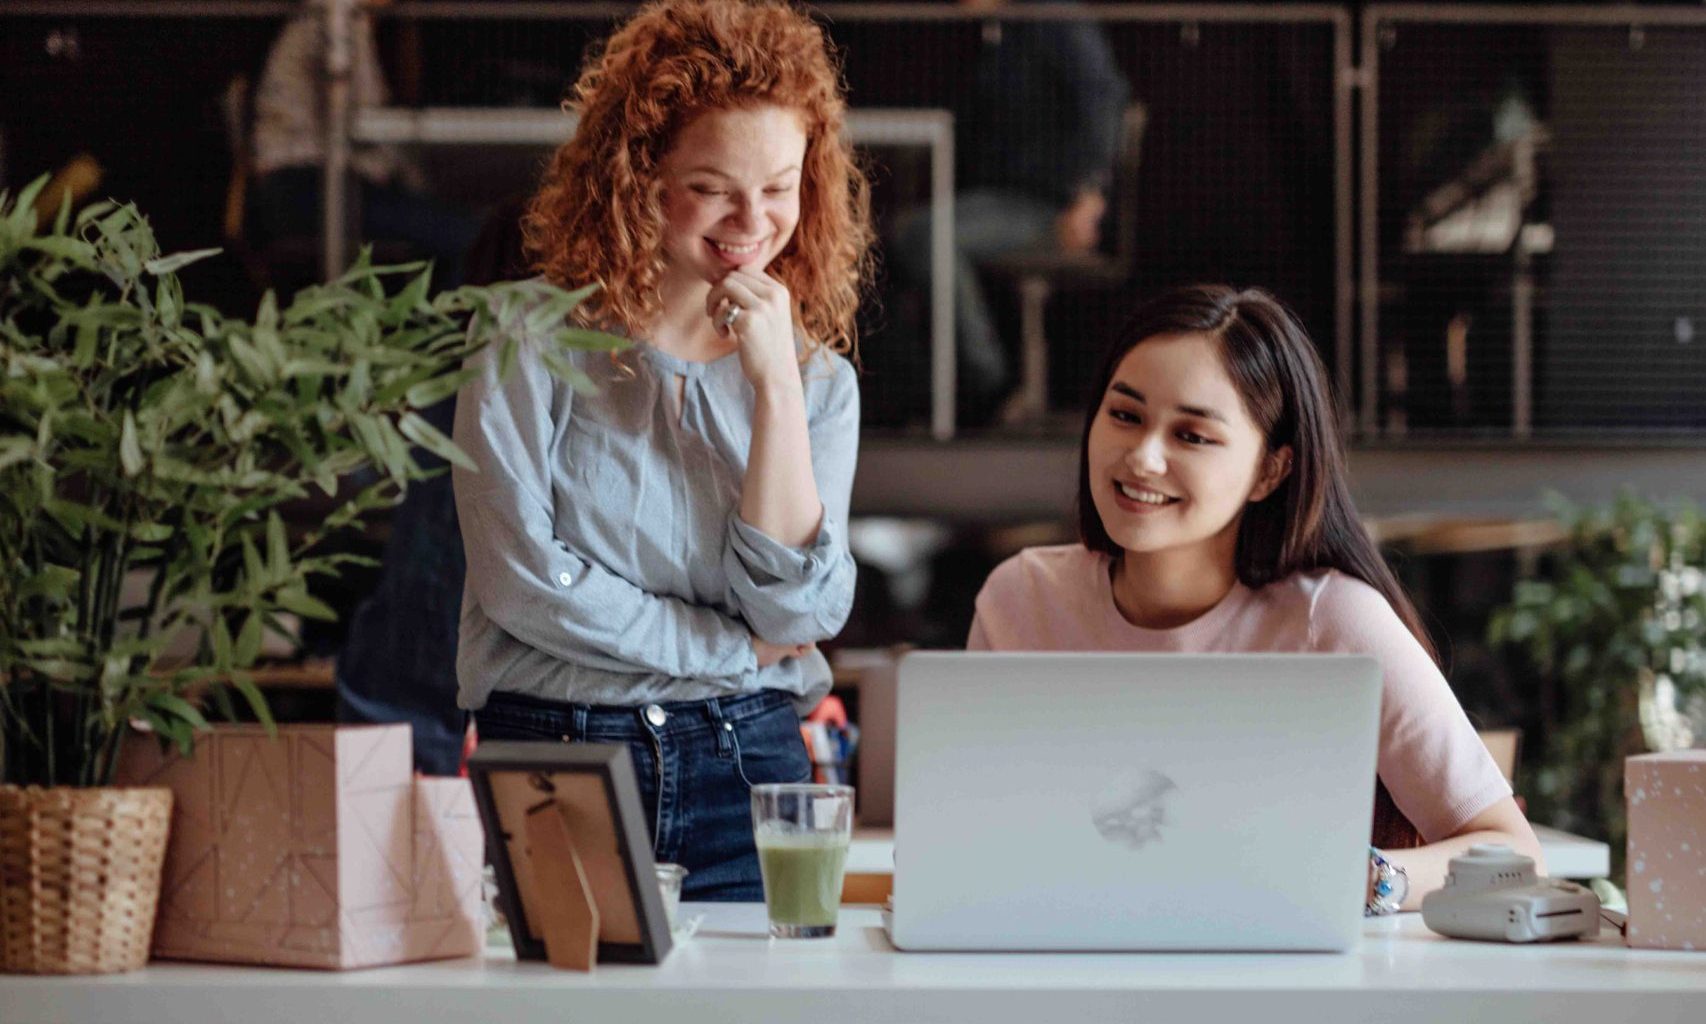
{"x":129,"y":450}
{"x":53,"y":582}
{"x":396,"y":450}
{"x":61,"y":670}
{"x":71,"y":249}
{"x":51,"y":647}
{"x":567,"y":372}
{"x":14,"y":450}
{"x":23,"y":218}
{"x":308,"y":607}
{"x":88,"y":335}
{"x":248,"y":646}
{"x":433,"y":440}
{"x":372,"y":441}
{"x":278,"y":547}
{"x":244,"y":683}
{"x":219,"y":635}
{"x":359,"y":387}
{"x":593,"y":341}
{"x":413,"y":296}
{"x":162,"y":265}
{"x":253,"y":568}
{"x":430,"y":392}
{"x":266,"y":317}
{"x":178,"y":707}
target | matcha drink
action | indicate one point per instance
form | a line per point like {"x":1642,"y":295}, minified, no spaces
{"x":802,"y":878}
{"x":802,"y":832}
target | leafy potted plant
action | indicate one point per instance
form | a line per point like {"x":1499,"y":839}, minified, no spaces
{"x":1614,"y":628}
{"x":151,"y":441}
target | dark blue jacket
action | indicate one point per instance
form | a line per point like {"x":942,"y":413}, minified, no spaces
{"x":1045,"y":114}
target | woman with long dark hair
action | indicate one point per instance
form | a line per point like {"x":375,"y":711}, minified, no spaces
{"x":1215,"y":516}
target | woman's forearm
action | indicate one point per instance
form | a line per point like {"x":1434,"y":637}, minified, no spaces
{"x":779,"y":494}
{"x":1426,"y":866}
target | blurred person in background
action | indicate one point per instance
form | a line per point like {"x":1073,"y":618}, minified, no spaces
{"x":290,"y":151}
{"x":1036,"y":139}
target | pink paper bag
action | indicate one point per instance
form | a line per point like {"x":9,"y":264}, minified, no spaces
{"x":316,"y":849}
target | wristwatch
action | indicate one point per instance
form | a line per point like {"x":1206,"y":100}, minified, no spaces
{"x":1391,"y":885}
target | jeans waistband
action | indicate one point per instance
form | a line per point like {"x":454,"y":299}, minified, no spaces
{"x":620,"y":721}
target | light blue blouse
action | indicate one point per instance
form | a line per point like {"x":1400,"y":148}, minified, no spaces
{"x":607,"y":560}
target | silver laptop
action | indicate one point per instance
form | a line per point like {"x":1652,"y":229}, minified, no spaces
{"x":1133,"y":801}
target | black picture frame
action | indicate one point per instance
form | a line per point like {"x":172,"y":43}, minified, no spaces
{"x":595,"y":784}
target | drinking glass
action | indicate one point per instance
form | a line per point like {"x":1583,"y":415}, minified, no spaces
{"x":802,"y":831}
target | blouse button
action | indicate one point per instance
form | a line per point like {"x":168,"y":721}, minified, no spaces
{"x":565,"y":579}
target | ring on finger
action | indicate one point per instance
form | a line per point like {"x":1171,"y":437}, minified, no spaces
{"x":729,"y":316}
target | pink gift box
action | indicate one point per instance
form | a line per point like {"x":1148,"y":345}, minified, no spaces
{"x":1667,"y":849}
{"x":316,"y":849}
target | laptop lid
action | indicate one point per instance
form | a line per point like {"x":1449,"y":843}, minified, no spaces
{"x":1133,"y":801}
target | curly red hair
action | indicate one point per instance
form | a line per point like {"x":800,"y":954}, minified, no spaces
{"x":598,"y":217}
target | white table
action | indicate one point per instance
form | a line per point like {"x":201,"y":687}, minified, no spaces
{"x":1573,"y":856}
{"x":731,"y":972}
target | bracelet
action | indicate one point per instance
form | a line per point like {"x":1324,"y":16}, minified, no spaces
{"x":1391,"y":885}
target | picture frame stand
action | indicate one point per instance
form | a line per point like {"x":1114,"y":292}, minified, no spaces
{"x":567,"y":838}
{"x":568,"y":915}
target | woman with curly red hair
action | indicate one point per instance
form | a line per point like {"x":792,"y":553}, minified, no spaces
{"x":654,"y":561}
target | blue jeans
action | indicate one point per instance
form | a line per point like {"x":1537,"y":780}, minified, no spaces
{"x":696,"y":771}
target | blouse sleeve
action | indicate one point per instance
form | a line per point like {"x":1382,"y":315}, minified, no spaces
{"x":526,"y":580}
{"x":803,"y":595}
{"x":1435,"y":766}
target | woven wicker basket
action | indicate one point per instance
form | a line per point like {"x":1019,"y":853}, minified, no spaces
{"x":79,"y":877}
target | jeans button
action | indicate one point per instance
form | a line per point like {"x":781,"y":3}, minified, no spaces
{"x":656,"y":715}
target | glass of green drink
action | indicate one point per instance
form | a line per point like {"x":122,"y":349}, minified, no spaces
{"x":802,"y":831}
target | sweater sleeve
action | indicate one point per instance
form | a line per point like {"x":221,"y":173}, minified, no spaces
{"x":803,"y":595}
{"x":1435,"y":766}
{"x":522,"y":575}
{"x":1098,"y":94}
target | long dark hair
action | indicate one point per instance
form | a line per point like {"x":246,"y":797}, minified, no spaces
{"x":1309,"y":522}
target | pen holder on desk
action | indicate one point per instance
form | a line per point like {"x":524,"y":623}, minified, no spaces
{"x":831,"y":747}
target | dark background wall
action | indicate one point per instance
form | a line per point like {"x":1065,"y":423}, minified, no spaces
{"x":1629,"y":208}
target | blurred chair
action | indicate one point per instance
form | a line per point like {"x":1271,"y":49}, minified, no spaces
{"x":1039,"y":273}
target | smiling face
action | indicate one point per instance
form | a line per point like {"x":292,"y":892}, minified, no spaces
{"x":732,"y":191}
{"x":1173,"y":455}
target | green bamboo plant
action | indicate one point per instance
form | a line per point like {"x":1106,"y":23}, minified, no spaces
{"x":1616,"y":619}
{"x":148,"y":439}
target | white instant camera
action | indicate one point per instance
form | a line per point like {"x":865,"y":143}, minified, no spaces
{"x":1493,"y":893}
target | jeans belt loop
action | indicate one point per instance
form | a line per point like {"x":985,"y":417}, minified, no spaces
{"x":577,"y":715}
{"x":721,"y":726}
